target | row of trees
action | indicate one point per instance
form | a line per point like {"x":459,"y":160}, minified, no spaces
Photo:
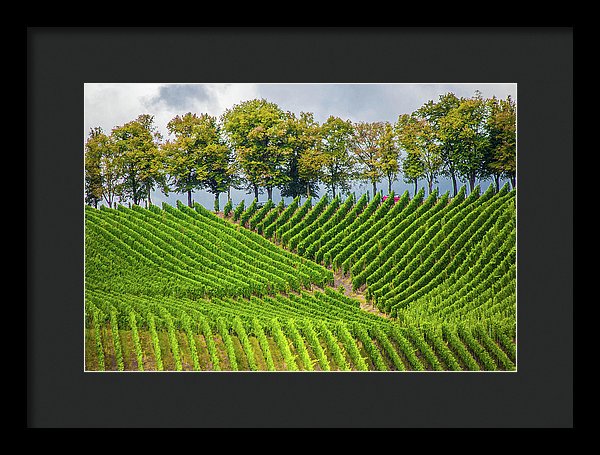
{"x":257,"y":146}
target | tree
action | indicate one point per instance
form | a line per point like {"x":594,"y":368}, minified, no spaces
{"x":310,"y":169}
{"x":469,"y":120}
{"x":338,"y":164}
{"x":502,"y":130}
{"x":254,"y":131}
{"x":103,"y":169}
{"x":417,"y":137}
{"x":236,"y":177}
{"x":189,"y":157}
{"x":412,"y":168}
{"x":389,"y":154}
{"x":142,"y":161}
{"x":216,"y":171}
{"x":302,"y":135}
{"x":446,"y":133}
{"x":152,"y":165}
{"x":366,"y":151}
{"x":94,"y":150}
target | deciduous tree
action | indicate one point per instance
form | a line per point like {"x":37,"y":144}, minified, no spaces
{"x":469,"y":120}
{"x":502,"y":130}
{"x":367,"y":152}
{"x":338,"y":163}
{"x":254,"y":131}
{"x":390,"y":154}
{"x":103,"y":169}
{"x":446,"y":133}
{"x":417,"y":137}
{"x":94,"y":147}
{"x":194,"y":157}
{"x":142,"y":162}
{"x":302,"y":135}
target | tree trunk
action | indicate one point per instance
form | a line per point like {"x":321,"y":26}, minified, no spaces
{"x":389,"y":185}
{"x":471,"y":183}
{"x":374,"y":188}
{"x":513,"y":181}
{"x":255,"y":191}
{"x":228,"y":193}
{"x":429,"y":184}
{"x":454,"y":185}
{"x":416,"y":182}
{"x":497,"y":181}
{"x":333,"y":191}
{"x":269,"y":193}
{"x":149,"y":190}
{"x":189,"y":193}
{"x":307,"y":190}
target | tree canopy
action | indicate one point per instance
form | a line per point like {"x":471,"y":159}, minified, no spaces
{"x":255,"y":145}
{"x":256,"y":131}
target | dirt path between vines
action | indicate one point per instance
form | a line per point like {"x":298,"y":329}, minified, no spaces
{"x":339,"y":280}
{"x":346,"y":282}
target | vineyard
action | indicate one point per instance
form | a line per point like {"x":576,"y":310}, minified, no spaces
{"x":342,"y":284}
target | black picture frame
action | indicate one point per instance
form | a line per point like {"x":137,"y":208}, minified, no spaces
{"x":61,"y":395}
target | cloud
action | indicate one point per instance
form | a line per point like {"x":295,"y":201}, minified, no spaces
{"x":111,"y":105}
{"x":369,"y":102}
{"x":180,"y":96}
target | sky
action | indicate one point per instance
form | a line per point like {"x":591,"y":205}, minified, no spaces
{"x":113,"y":104}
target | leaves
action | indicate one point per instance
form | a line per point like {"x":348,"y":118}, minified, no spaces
{"x":198,"y":157}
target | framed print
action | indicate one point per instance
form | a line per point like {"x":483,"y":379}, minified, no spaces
{"x":347,"y":227}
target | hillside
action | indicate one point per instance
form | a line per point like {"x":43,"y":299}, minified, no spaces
{"x":180,"y":288}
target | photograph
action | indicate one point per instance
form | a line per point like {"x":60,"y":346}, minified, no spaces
{"x":299,"y":227}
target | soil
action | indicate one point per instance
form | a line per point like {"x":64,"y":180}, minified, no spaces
{"x":340,"y":280}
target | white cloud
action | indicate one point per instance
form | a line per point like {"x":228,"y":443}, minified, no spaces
{"x":111,"y":105}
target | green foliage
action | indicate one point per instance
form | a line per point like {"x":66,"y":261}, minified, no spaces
{"x":228,"y":207}
{"x":417,"y":137}
{"x":136,"y":340}
{"x":501,"y":127}
{"x":239,"y":209}
{"x":210,"y":343}
{"x":197,"y":157}
{"x":187,"y":322}
{"x":114,"y":327}
{"x":97,"y":327}
{"x":263,"y":342}
{"x":259,"y":214}
{"x":242,"y":335}
{"x":155,"y":341}
{"x":350,"y":346}
{"x":223,"y":329}
{"x":334,"y":347}
{"x":283,"y":344}
{"x":256,"y":145}
{"x":302,"y":136}
{"x":442,"y":269}
{"x":216,"y":205}
{"x":337,"y":163}
{"x":257,"y":132}
{"x":245,"y":216}
{"x":141,"y":161}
